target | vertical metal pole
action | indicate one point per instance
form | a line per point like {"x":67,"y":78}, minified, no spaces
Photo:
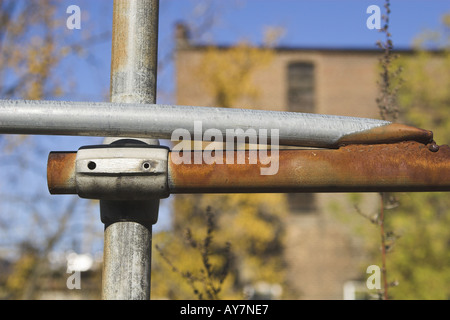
{"x":128,"y":224}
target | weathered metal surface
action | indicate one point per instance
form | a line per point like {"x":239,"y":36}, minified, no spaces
{"x":61,"y":173}
{"x":126,"y":266}
{"x":405,"y":166}
{"x":128,"y":233}
{"x":389,"y":133}
{"x":134,"y":59}
{"x":122,"y":172}
{"x":143,"y":120}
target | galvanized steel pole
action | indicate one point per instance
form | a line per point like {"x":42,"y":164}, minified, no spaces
{"x":160,"y":121}
{"x":128,"y":224}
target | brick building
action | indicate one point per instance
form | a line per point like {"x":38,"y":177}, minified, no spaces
{"x":322,"y":253}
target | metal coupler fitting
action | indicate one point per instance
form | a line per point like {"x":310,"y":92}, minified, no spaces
{"x":110,"y":172}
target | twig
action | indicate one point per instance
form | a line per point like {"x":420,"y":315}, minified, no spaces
{"x":210,"y":279}
{"x":383,"y":247}
{"x":387,"y":100}
{"x":387,"y":105}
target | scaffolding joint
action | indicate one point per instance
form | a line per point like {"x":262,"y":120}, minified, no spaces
{"x":111,"y":172}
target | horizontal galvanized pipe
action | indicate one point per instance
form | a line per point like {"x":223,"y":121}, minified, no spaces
{"x":398,"y":167}
{"x":160,"y":121}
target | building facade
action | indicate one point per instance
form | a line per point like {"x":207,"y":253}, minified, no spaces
{"x":323,"y":255}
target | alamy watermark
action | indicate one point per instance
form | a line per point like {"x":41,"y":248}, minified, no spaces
{"x":74,"y":280}
{"x":235,"y":141}
{"x":374,"y":280}
{"x":77,"y":263}
{"x":374,"y":20}
{"x":74,"y":20}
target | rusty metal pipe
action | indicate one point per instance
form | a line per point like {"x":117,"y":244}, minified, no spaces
{"x":406,"y":166}
{"x":399,"y":167}
{"x":61,"y":173}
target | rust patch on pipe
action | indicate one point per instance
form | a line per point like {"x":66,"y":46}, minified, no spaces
{"x":390,"y":133}
{"x":405,"y":166}
{"x":119,"y":34}
{"x":134,"y":57}
{"x":61,"y":173}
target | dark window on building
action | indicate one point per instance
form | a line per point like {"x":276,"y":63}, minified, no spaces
{"x":301,"y":87}
{"x":301,"y":98}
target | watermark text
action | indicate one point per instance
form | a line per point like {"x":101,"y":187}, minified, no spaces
{"x":74,"y":20}
{"x":374,"y":20}
{"x":234,"y":140}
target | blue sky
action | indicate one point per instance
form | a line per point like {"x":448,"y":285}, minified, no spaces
{"x":328,"y":23}
{"x":307,"y":23}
